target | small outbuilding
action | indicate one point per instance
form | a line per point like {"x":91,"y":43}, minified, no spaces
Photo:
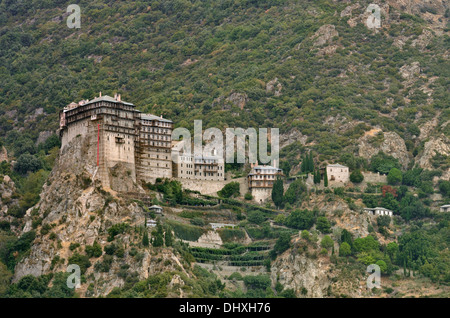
{"x":445,"y":208}
{"x":379,"y":211}
{"x":156,"y":209}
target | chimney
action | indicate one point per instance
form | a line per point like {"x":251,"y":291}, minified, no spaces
{"x":115,"y":96}
{"x":119,"y":98}
{"x":100,"y":94}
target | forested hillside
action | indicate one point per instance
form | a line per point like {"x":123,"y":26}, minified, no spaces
{"x":340,"y":92}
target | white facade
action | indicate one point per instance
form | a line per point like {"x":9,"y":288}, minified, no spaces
{"x":379,"y":211}
{"x":445,"y":208}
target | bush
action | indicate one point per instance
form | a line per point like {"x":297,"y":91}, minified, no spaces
{"x":282,"y":244}
{"x":197,"y":221}
{"x":257,"y":282}
{"x":301,"y":220}
{"x":27,"y":162}
{"x":117,"y":229}
{"x":256,"y":217}
{"x":305,"y":235}
{"x":94,"y":251}
{"x":323,"y":225}
{"x":230,"y":190}
{"x":80,"y":260}
{"x":248,"y":196}
{"x":229,"y":235}
{"x":185,"y":231}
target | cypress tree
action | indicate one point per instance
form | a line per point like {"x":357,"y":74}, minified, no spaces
{"x":311,"y":162}
{"x":277,"y":192}
{"x":168,"y":237}
{"x":317,"y":176}
{"x":325,"y":179}
{"x":304,"y":164}
{"x":145,"y":241}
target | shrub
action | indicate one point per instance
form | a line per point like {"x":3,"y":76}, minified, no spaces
{"x":80,"y":260}
{"x":197,"y":221}
{"x":229,"y":235}
{"x":256,"y":217}
{"x":301,"y":220}
{"x":94,"y":251}
{"x":117,"y":229}
{"x":230,"y":190}
{"x":185,"y":231}
{"x":323,"y":225}
{"x":305,"y":235}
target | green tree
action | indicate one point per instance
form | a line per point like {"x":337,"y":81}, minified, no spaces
{"x":158,"y":236}
{"x":94,"y":251}
{"x":168,"y":237}
{"x":145,"y":240}
{"x":300,"y":219}
{"x":310,"y":162}
{"x":323,"y":225}
{"x":325,"y":179}
{"x":356,"y":176}
{"x":305,"y":235}
{"x":282,"y":244}
{"x":27,"y":162}
{"x":317,"y":177}
{"x":296,"y":192}
{"x":345,"y":249}
{"x":277,"y":192}
{"x":383,"y":266}
{"x":327,"y":242}
{"x":394,"y":176}
{"x":230,"y":190}
{"x":256,"y":217}
{"x":5,"y":279}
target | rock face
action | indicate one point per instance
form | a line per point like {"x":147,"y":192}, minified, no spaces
{"x":274,"y":86}
{"x":43,"y":136}
{"x":291,"y":137}
{"x":81,"y":211}
{"x":392,"y":144}
{"x":409,"y":72}
{"x":325,"y":35}
{"x":3,"y":154}
{"x":298,"y":271}
{"x":238,"y":99}
{"x":436,"y":145}
{"x":433,"y":11}
{"x":7,"y":189}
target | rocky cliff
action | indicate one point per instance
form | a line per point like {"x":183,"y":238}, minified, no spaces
{"x":74,"y":212}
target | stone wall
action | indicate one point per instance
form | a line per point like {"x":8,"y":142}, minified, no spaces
{"x":371,"y":177}
{"x":261,"y":195}
{"x":211,"y":187}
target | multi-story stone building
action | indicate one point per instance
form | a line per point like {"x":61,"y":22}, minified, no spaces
{"x":260,"y":181}
{"x":188,"y":166}
{"x":154,"y":159}
{"x":338,"y":173}
{"x":116,"y":132}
